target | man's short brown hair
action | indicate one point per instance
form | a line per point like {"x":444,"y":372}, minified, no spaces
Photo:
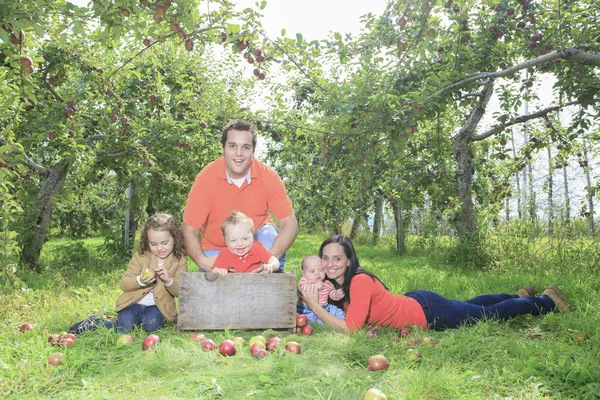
{"x":239,"y":126}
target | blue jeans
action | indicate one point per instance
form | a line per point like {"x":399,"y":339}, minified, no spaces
{"x":149,"y":317}
{"x":442,"y":313}
{"x":302,"y":308}
{"x":266,"y":234}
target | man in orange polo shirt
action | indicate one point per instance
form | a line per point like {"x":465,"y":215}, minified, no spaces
{"x":237,"y":181}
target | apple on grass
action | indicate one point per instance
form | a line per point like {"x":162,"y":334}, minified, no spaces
{"x":256,"y":346}
{"x":273,"y":343}
{"x":66,"y":341}
{"x":372,"y":333}
{"x":150,"y":341}
{"x":55,"y":359}
{"x":404,"y":332}
{"x":260,"y":353}
{"x":54,"y":339}
{"x":377,"y":362}
{"x":428,"y":341}
{"x":306,"y":330}
{"x":301,"y":320}
{"x":259,"y":338}
{"x":239,"y":341}
{"x":375,"y":394}
{"x":197,"y":337}
{"x":26,"y":327}
{"x":209,"y":344}
{"x":227,"y":348}
{"x":413,"y":355}
{"x":125,"y":339}
{"x":293,"y":347}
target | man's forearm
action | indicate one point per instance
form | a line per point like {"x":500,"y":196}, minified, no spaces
{"x":194,"y":248}
{"x":286,"y":236}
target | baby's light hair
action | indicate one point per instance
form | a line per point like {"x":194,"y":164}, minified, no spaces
{"x":235,"y":218}
{"x":162,"y":222}
{"x":307,"y":258}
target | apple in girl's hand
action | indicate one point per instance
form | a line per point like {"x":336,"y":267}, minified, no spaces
{"x":306,"y":330}
{"x":197,"y":337}
{"x":55,"y":359}
{"x":227,"y":348}
{"x":125,"y":339}
{"x":148,"y":274}
{"x":209,"y":344}
{"x":54,"y":339}
{"x":239,"y":341}
{"x":273,"y":343}
{"x":377,"y":362}
{"x":375,"y":394}
{"x":293,"y":347}
{"x":150,"y":341}
{"x":25,"y":327}
{"x":301,"y":320}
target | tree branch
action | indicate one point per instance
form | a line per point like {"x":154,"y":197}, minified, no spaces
{"x":28,"y":161}
{"x":521,"y":119}
{"x":567,"y":54}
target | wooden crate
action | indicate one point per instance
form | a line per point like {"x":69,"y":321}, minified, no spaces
{"x":238,"y":301}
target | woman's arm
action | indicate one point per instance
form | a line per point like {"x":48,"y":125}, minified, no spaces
{"x":310,"y":295}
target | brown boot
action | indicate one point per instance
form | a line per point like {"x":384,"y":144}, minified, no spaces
{"x":558,"y":297}
{"x":526,"y":291}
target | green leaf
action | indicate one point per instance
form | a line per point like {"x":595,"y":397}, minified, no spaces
{"x":283,"y":31}
{"x":299,"y":37}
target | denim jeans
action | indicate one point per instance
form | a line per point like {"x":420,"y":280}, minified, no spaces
{"x":266,"y":234}
{"x":442,"y":313}
{"x":302,"y":308}
{"x":149,"y":317}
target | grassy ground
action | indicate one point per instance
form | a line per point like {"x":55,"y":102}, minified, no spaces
{"x":557,"y":355}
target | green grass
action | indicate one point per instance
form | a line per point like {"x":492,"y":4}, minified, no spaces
{"x":526,"y":358}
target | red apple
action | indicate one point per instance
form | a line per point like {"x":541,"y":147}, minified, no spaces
{"x":66,"y":341}
{"x":372,"y":333}
{"x":273,"y":343}
{"x":125,"y":12}
{"x":125,"y":339}
{"x":377,"y":362}
{"x":189,"y":45}
{"x":413,"y":342}
{"x":147,"y":42}
{"x":293,"y":347}
{"x":401,"y":45}
{"x":26,"y":62}
{"x":306,"y":330}
{"x":374,"y":394}
{"x":404,"y":333}
{"x":55,"y":359}
{"x":54,"y":339}
{"x":209,"y":344}
{"x":227,"y":348}
{"x":260,"y":353}
{"x":301,"y":320}
{"x":25,"y":327}
{"x":259,"y":338}
{"x":71,"y":335}
{"x":255,"y":346}
{"x":150,"y":341}
{"x":198,"y":337}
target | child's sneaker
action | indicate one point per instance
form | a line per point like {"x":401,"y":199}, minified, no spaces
{"x":88,"y":324}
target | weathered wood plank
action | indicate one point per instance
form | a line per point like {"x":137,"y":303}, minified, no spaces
{"x":238,"y":301}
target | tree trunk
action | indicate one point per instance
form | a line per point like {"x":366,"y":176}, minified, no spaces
{"x":377,"y":219}
{"x":39,"y":217}
{"x":517,"y":182}
{"x":589,"y":194}
{"x":567,"y":200}
{"x":400,"y":232}
{"x":464,"y":219}
{"x":550,"y":195}
{"x":355,"y":227}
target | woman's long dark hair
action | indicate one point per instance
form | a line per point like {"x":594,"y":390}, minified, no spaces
{"x":353,"y":269}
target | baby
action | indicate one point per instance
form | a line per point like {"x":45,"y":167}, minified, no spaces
{"x":314,"y":274}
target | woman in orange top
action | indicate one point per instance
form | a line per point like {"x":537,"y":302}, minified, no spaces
{"x":369,"y":302}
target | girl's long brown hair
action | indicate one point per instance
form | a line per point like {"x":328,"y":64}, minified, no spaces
{"x":163,"y":222}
